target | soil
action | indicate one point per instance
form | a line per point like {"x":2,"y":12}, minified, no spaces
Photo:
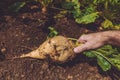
{"x":24,"y":31}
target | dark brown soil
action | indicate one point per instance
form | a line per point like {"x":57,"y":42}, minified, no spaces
{"x":22,"y":32}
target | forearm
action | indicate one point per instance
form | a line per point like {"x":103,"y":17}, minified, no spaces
{"x":114,"y":37}
{"x":96,"y":40}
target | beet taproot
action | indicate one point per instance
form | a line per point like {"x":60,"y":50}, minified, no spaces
{"x":58,"y":48}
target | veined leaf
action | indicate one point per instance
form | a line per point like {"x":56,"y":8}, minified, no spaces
{"x":116,"y":62}
{"x":107,"y":24}
{"x":87,"y":18}
{"x":107,"y":50}
{"x":107,"y":56}
{"x":104,"y":64}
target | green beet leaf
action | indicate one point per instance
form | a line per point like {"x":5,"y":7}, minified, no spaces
{"x":89,"y":54}
{"x":107,"y":50}
{"x":87,"y":18}
{"x":103,"y":63}
{"x":115,"y":62}
{"x":107,"y":24}
{"x":52,"y":33}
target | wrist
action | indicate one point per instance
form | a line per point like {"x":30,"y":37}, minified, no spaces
{"x":109,"y":35}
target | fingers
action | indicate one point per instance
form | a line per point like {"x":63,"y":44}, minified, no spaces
{"x":87,"y":43}
{"x":83,"y":38}
{"x":90,"y":41}
{"x":81,"y":48}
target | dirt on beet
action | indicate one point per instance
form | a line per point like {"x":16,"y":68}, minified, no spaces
{"x":24,"y":32}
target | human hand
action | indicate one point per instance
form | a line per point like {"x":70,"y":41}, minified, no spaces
{"x":91,"y":41}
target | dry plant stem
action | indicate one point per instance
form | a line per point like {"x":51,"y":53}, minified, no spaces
{"x":73,"y":39}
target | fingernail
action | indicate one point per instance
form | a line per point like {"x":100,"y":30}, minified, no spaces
{"x":75,"y":50}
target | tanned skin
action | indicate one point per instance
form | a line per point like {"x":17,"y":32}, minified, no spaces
{"x":96,"y":40}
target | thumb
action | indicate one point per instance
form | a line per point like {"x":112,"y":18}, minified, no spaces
{"x":80,"y":49}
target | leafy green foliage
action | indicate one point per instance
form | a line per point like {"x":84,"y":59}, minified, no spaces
{"x":106,"y":56}
{"x":52,"y":33}
{"x":116,"y":61}
{"x":87,"y":11}
{"x":87,"y":18}
{"x":82,"y":16}
{"x":104,"y":64}
{"x":110,"y":12}
{"x":83,"y":11}
{"x":89,"y":54}
{"x":107,"y":24}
